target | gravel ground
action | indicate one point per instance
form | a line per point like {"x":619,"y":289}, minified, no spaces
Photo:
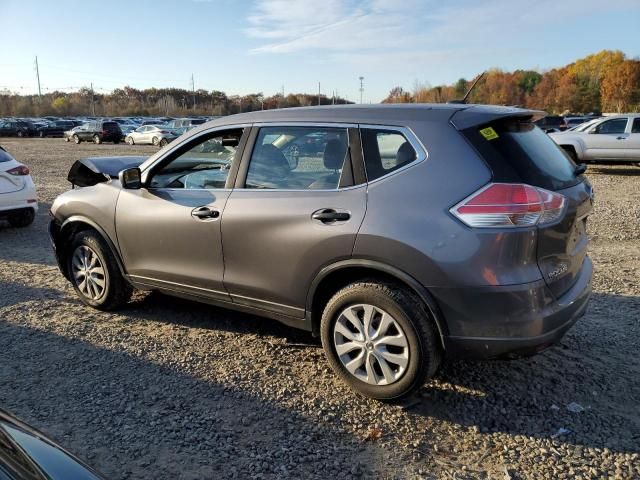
{"x":172,"y":389}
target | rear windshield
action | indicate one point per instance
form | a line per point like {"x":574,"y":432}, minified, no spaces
{"x":110,"y":126}
{"x":4,"y":156}
{"x":197,"y":121}
{"x":517,"y":151}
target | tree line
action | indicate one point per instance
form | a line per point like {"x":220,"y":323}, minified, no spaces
{"x":607,"y":81}
{"x":130,"y":101}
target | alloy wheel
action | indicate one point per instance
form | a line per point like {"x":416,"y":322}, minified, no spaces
{"x":88,"y":272}
{"x":371,"y":344}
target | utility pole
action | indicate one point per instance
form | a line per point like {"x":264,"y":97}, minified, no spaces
{"x":38,"y":76}
{"x":318,"y":93}
{"x":193,"y":89}
{"x":361,"y":88}
{"x":93,"y":105}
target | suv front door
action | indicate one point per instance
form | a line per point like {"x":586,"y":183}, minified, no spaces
{"x":296,"y":208}
{"x":169,"y":230}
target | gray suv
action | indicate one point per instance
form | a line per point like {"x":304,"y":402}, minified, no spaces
{"x":397,"y":233}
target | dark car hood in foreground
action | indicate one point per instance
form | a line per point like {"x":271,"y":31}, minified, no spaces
{"x":26,"y":453}
{"x":91,"y":171}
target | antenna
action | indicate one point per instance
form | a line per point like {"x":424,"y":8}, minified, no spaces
{"x":473,"y":85}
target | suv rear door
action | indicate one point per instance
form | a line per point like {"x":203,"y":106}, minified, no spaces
{"x":294,"y":210}
{"x":520,"y":153}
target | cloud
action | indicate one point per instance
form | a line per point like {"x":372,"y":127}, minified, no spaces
{"x":376,"y":27}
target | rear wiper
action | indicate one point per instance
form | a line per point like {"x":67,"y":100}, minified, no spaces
{"x":580,"y":169}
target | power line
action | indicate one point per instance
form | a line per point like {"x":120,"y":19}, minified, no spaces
{"x":361,"y":88}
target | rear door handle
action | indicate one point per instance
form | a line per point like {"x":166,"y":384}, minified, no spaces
{"x":329,"y":215}
{"x":204,"y":213}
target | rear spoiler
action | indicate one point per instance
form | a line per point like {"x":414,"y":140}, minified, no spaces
{"x":477,"y":115}
{"x":91,"y":171}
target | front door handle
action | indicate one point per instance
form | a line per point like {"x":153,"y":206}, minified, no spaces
{"x":204,"y":213}
{"x":329,"y":215}
{"x":621,"y":138}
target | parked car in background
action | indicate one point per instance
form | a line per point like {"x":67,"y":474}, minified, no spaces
{"x":18,"y":197}
{"x":609,"y":139}
{"x":551,"y":123}
{"x":571,"y":122}
{"x":55,"y":128}
{"x":97,"y":132}
{"x":27,"y":454}
{"x":390,"y":262}
{"x":16,"y":128}
{"x":68,"y":134}
{"x":186,"y":122}
{"x":151,"y":135}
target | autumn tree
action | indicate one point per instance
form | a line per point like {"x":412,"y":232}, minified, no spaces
{"x":621,"y":87}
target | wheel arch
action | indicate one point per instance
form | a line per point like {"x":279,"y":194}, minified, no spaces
{"x":575,"y":145}
{"x":72,"y":226}
{"x":335,"y":276}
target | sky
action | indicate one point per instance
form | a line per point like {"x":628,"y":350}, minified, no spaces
{"x":251,"y":46}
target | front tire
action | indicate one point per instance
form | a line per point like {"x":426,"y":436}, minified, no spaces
{"x":129,"y":141}
{"x":20,"y":134}
{"x":94,"y":272}
{"x":380,"y":339}
{"x":155,"y":141}
{"x":22,"y":219}
{"x":76,"y":139}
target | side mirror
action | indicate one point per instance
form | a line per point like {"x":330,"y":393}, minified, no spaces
{"x":131,"y":178}
{"x":592,"y":131}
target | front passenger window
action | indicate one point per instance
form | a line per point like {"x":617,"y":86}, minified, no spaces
{"x":298,"y":158}
{"x":616,"y":125}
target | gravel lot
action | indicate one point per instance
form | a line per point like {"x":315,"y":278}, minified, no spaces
{"x":172,"y":389}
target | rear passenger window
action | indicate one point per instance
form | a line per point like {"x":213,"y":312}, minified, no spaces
{"x":298,"y":158}
{"x":385,"y":151}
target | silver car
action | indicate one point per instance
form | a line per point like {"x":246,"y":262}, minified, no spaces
{"x":158,"y":135}
{"x":398,"y":234}
{"x":614,"y":139}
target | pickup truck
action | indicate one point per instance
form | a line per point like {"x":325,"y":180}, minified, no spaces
{"x":614,"y":139}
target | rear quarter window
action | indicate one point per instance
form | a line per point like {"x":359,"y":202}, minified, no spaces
{"x":4,"y":156}
{"x":517,"y":151}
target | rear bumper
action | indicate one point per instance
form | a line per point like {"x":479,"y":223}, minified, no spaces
{"x":513,"y":321}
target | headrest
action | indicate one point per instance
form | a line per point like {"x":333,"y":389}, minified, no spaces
{"x":334,"y":153}
{"x":271,"y":157}
{"x":405,"y":154}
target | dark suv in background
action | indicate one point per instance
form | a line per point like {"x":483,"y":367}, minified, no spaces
{"x":98,"y":131}
{"x":404,"y":233}
{"x":16,"y":128}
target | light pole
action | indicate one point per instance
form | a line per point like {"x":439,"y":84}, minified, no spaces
{"x":361,"y":88}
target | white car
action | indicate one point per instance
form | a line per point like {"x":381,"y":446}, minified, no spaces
{"x":151,"y":134}
{"x":18,"y":198}
{"x":614,"y":139}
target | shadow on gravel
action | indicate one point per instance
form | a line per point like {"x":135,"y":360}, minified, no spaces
{"x":29,"y":244}
{"x":15,"y":293}
{"x":613,"y":170}
{"x":595,"y":366}
{"x":146,"y":420}
{"x":162,"y":308}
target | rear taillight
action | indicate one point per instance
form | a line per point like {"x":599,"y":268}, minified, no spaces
{"x":19,"y":171}
{"x":510,"y":205}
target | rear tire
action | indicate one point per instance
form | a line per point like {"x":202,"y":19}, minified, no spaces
{"x":164,"y":142}
{"x":20,"y":133}
{"x":400,"y":329}
{"x":76,"y":139}
{"x":97,"y":140}
{"x":155,"y":141}
{"x":22,"y":219}
{"x":41,"y":134}
{"x":94,"y":272}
